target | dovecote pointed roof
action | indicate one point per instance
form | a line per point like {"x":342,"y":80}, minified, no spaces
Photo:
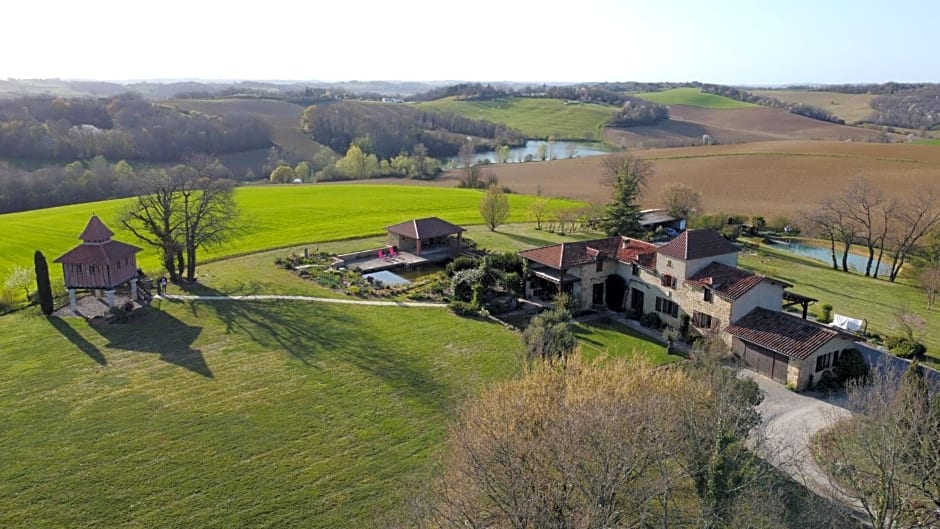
{"x":96,"y":231}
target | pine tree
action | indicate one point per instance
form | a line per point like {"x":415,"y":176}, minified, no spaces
{"x":628,"y":176}
{"x":43,"y":286}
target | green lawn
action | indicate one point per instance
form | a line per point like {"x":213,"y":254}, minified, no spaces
{"x":935,"y":141}
{"x":535,"y":117}
{"x":232,"y":414}
{"x":851,"y":294}
{"x":615,"y":340}
{"x":273,"y":216}
{"x":693,"y":97}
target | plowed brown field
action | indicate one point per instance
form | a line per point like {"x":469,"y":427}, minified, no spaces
{"x":687,"y":124}
{"x":770,"y":178}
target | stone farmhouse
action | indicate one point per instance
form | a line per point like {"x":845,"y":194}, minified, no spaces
{"x":694,"y":276}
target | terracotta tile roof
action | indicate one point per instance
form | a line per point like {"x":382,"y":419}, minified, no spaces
{"x":109,"y":252}
{"x":569,"y":254}
{"x":95,"y":231}
{"x":697,"y":244}
{"x":727,"y":281}
{"x":641,"y":252}
{"x":783,"y":333}
{"x":424,"y":228}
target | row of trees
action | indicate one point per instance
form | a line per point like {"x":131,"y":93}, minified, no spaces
{"x":122,"y":127}
{"x":889,"y":228}
{"x":77,"y":182}
{"x":357,"y":164}
{"x":617,"y":444}
{"x":393,"y":129}
{"x":181,"y":210}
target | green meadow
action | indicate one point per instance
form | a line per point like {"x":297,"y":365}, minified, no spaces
{"x":535,"y":117}
{"x":272,"y":217}
{"x":693,"y":97}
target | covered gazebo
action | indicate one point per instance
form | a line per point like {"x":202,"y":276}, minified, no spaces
{"x":420,"y":234}
{"x":99,"y":263}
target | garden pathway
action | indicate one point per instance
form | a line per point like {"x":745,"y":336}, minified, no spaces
{"x":255,"y":297}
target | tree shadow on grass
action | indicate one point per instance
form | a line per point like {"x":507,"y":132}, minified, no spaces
{"x":78,"y":340}
{"x":155,"y":331}
{"x":314,"y":332}
{"x":529,"y":240}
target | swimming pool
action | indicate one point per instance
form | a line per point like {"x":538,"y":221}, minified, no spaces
{"x":387,"y":278}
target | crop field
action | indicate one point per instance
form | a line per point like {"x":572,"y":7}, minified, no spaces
{"x":688,"y":124}
{"x":693,"y":97}
{"x":233,"y":414}
{"x":535,"y":117}
{"x":272,"y":216}
{"x":769,"y":179}
{"x":852,"y":108}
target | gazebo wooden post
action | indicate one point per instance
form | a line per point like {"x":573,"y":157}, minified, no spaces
{"x":418,"y":247}
{"x":109,"y":297}
{"x":134,"y":286}
{"x":458,"y":242}
{"x":73,"y":304}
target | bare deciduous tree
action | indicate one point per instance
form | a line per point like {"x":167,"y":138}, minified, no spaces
{"x":916,"y":219}
{"x":680,"y":200}
{"x":494,"y":207}
{"x":929,"y":279}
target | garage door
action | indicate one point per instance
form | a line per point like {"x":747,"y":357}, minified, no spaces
{"x":767,"y":363}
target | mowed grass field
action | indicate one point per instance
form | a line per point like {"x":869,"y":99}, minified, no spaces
{"x":272,"y":217}
{"x":769,"y":178}
{"x":232,"y":414}
{"x":535,"y":117}
{"x":693,"y":97}
{"x":852,"y":108}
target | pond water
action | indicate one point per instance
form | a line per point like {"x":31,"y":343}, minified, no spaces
{"x":558,"y":149}
{"x":420,"y":271}
{"x":856,"y":262}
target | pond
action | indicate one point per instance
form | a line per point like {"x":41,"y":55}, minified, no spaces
{"x":856,"y":262}
{"x":558,"y":149}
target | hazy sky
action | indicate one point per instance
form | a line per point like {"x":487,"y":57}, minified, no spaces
{"x":737,"y":42}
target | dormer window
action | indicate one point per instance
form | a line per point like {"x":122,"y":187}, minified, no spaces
{"x":709,"y":295}
{"x":668,"y":281}
{"x":635,"y":268}
{"x":599,"y":264}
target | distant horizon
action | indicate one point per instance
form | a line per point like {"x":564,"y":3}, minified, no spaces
{"x":730,"y":42}
{"x":170,"y":80}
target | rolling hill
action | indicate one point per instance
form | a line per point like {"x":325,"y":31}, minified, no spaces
{"x":693,"y":97}
{"x":853,"y":108}
{"x":535,"y":117}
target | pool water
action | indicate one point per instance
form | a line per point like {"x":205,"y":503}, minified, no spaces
{"x":387,"y":278}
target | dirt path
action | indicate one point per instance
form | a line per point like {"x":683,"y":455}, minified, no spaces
{"x":171,"y":297}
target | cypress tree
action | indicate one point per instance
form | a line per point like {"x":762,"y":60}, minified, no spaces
{"x":43,"y":286}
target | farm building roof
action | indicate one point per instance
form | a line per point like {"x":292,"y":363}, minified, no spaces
{"x":727,"y":281}
{"x":424,"y":228}
{"x":782,"y":333}
{"x":697,"y":244}
{"x":648,"y":217}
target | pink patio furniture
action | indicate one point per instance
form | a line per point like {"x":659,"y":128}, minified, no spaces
{"x":381,"y":255}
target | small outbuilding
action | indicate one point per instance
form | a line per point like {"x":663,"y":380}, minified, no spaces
{"x":99,"y":263}
{"x":424,"y":234}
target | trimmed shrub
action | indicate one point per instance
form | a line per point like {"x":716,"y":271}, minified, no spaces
{"x":825,"y":314}
{"x":851,"y":366}
{"x":463,"y":308}
{"x":505,"y":262}
{"x":909,"y":349}
{"x":464,"y":262}
{"x":464,"y":281}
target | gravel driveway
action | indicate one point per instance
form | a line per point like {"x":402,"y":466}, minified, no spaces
{"x":790,"y":420}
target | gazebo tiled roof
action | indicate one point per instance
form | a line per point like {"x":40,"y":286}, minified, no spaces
{"x":96,"y":231}
{"x":425,"y":228}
